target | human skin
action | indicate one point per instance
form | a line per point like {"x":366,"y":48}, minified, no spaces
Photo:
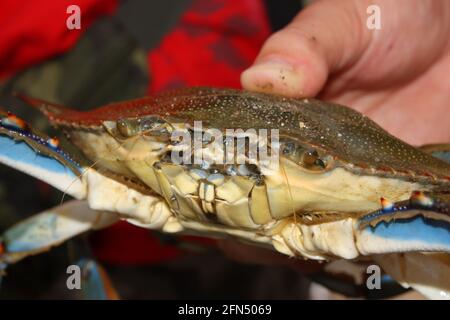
{"x":399,"y":75}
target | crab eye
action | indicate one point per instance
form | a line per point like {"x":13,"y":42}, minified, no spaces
{"x":150,"y":123}
{"x":311,"y":160}
{"x":310,"y":157}
{"x":288,"y":148}
{"x":126,"y":128}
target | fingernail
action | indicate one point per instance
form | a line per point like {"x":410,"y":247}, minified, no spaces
{"x":274,"y":75}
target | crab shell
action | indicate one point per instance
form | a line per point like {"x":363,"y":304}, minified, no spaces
{"x":301,"y":211}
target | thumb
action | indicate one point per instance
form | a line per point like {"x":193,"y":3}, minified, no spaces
{"x":297,"y":60}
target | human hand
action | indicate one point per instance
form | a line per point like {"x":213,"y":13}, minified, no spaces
{"x":398,"y":75}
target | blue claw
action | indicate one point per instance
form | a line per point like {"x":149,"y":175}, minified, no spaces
{"x":421,"y":223}
{"x":23,"y":149}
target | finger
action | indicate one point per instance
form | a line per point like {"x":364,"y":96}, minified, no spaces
{"x":296,"y":61}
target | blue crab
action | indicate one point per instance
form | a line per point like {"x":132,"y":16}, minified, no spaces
{"x":341,"y":187}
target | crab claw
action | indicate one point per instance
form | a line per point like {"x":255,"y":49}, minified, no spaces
{"x":24,"y":149}
{"x":386,"y":204}
{"x":421,"y":223}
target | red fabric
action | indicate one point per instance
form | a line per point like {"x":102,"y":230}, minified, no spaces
{"x":214,"y":41}
{"x":126,"y":244}
{"x":32,"y":31}
{"x":211,"y":45}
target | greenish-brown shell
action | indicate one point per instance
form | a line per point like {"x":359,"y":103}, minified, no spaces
{"x":340,"y":131}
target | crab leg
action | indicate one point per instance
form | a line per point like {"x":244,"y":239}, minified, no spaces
{"x":50,"y":228}
{"x":39,"y":156}
{"x":96,"y":284}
